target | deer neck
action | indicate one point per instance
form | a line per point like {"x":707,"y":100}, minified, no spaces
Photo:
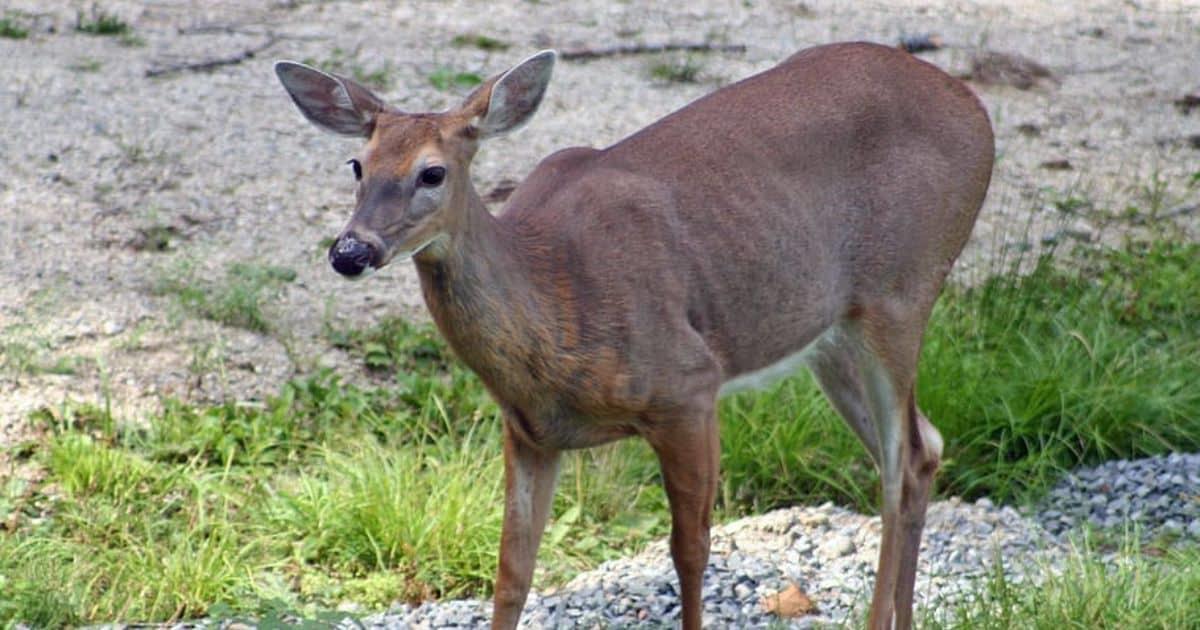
{"x":478,"y":288}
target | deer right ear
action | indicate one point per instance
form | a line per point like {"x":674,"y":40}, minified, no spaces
{"x":514,"y":96}
{"x":333,"y":103}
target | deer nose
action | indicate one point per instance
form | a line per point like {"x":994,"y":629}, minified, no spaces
{"x":350,"y":256}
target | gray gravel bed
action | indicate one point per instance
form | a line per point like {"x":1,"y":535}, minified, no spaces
{"x":827,"y":551}
{"x":1156,"y":496}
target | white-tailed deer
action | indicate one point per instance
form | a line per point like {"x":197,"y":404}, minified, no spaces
{"x":808,"y":214}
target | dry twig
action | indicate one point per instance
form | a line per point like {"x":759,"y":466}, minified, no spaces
{"x":576,"y":54}
{"x":206,"y":65}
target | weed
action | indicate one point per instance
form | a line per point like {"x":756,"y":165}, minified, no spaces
{"x":155,"y":238}
{"x":32,"y":355}
{"x":445,"y":78}
{"x":341,"y":61}
{"x":1086,"y":590}
{"x":683,"y":70}
{"x":11,"y":28}
{"x":236,"y":301}
{"x":85,"y":64}
{"x":129,"y":39}
{"x":482,"y":42}
{"x":100,"y":22}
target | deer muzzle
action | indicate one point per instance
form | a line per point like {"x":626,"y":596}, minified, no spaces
{"x":352,"y":256}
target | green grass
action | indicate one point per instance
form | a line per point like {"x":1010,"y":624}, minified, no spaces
{"x":683,"y":70}
{"x":330,"y":492}
{"x":345,"y":62}
{"x":482,"y":42}
{"x":1129,"y":589}
{"x":1027,"y":376}
{"x":85,"y":64}
{"x":450,"y":79}
{"x":241,"y":299}
{"x":12,"y":28}
{"x":100,"y":22}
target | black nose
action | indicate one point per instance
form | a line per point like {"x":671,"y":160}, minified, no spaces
{"x":350,"y":256}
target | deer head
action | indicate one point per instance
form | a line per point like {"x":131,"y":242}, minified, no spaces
{"x":414,"y":184}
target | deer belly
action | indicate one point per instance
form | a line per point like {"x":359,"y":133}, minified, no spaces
{"x":779,"y":370}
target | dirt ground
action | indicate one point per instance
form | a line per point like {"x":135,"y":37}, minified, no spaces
{"x":220,"y":168}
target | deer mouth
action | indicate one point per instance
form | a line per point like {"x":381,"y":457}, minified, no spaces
{"x":354,"y":258}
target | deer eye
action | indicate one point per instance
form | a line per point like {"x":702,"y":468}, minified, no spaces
{"x":357,"y":166}
{"x":433,"y":176}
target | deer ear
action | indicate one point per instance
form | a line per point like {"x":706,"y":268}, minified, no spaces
{"x":333,"y":103}
{"x":513,"y":97}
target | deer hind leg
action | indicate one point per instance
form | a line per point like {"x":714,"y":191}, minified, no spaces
{"x":925,"y":456}
{"x":867,"y":371}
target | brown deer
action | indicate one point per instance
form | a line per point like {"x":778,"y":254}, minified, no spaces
{"x":805,"y":215}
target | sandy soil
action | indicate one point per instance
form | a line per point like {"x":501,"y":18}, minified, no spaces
{"x":94,"y":154}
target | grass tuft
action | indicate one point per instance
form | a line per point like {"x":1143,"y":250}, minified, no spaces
{"x":482,"y":42}
{"x":240,"y":300}
{"x":449,"y":79}
{"x":345,"y":62}
{"x":683,"y":70}
{"x":100,"y":22}
{"x":1127,"y":589}
{"x":12,"y":28}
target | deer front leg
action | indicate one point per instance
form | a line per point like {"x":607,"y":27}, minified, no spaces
{"x":689,"y":454}
{"x":530,"y":475}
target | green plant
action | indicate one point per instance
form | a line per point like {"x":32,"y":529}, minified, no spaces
{"x":482,"y":42}
{"x":344,"y":62}
{"x":86,"y":64}
{"x":682,"y":70}
{"x":12,"y":28}
{"x":1086,"y":590}
{"x":130,"y":39}
{"x":238,"y":300}
{"x":100,"y":22}
{"x":447,"y":79}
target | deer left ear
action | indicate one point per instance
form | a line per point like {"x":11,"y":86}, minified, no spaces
{"x":513,"y":97}
{"x":331,"y":102}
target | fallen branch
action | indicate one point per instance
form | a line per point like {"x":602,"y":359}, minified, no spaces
{"x":1178,"y":211}
{"x":576,"y":54}
{"x":210,"y":64}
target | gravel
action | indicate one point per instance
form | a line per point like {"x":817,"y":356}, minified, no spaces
{"x":827,"y":551}
{"x":1155,"y":496}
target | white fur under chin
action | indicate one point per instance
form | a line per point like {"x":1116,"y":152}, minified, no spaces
{"x":405,"y":255}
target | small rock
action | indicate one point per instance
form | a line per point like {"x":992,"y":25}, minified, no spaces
{"x":837,"y":546}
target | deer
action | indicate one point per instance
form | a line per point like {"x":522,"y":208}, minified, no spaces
{"x":804,"y":216}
